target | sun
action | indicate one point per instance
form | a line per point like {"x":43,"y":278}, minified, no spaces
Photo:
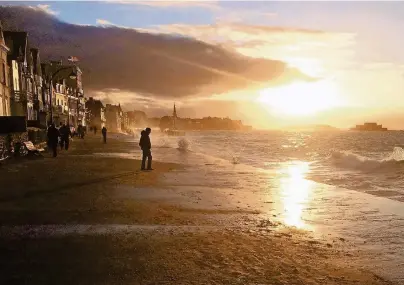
{"x":301,"y":99}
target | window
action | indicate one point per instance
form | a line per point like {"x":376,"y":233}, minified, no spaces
{"x":1,"y":107}
{"x":7,"y":107}
{"x":4,"y":77}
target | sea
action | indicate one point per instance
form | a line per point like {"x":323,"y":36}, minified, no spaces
{"x":371,"y":162}
{"x":346,"y":184}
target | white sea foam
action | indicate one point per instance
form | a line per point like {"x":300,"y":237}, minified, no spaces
{"x":354,"y":161}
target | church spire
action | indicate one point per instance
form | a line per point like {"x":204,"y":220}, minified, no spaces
{"x":175,"y":112}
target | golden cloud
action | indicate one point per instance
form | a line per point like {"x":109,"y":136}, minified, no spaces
{"x":313,"y":51}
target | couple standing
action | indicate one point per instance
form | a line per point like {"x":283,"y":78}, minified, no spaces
{"x":54,"y":134}
{"x":145,"y":145}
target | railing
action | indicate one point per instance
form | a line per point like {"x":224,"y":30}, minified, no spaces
{"x":18,"y":96}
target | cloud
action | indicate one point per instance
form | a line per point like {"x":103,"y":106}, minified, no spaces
{"x":209,"y":4}
{"x":45,"y":8}
{"x":103,"y":22}
{"x":149,"y":65}
{"x":108,"y":24}
{"x":382,"y":66}
{"x":313,"y":51}
{"x":245,"y":16}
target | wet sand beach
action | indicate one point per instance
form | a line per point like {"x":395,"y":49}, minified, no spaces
{"x":97,"y":219}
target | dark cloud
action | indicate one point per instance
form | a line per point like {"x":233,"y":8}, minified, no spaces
{"x":129,"y":60}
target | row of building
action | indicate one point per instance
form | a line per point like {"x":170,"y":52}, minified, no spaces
{"x":47,"y":92}
{"x":42,"y":92}
{"x":114,"y":119}
{"x":98,"y":115}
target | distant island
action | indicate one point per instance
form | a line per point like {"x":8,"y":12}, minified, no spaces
{"x":369,"y":127}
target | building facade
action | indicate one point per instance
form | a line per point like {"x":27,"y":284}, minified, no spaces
{"x":60,"y":107}
{"x":38,"y":86}
{"x":95,"y":115}
{"x":5,"y":109}
{"x":113,"y":115}
{"x":22,"y":78}
{"x":67,"y":98}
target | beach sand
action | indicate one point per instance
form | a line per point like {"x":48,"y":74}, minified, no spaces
{"x":87,"y":219}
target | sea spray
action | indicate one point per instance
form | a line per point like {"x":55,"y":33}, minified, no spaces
{"x":397,"y":154}
{"x":164,"y":143}
{"x":183,"y":144}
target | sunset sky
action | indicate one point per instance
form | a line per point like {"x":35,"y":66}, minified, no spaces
{"x":355,"y":50}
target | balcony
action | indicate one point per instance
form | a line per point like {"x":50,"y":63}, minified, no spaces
{"x":18,"y":96}
{"x":58,"y":109}
{"x":30,"y":97}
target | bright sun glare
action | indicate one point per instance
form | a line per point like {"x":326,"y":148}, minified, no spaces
{"x":301,"y":99}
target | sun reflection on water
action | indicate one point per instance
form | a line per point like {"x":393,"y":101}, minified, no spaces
{"x":295,"y":191}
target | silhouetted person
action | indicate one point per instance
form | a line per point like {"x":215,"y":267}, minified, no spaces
{"x":145,"y":145}
{"x":65,"y":133}
{"x":53,"y":135}
{"x":95,"y":130}
{"x":104,"y":134}
{"x":80,"y":131}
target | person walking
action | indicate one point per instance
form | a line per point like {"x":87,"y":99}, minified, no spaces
{"x":104,"y":134}
{"x":53,"y":135}
{"x":145,"y":145}
{"x":95,"y":130}
{"x":65,"y":134}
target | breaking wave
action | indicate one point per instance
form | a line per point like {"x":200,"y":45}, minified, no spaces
{"x":183,"y":144}
{"x":345,"y":159}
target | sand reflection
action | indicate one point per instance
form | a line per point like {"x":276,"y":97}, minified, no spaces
{"x":295,"y":192}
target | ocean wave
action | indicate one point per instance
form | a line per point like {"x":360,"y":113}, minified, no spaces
{"x":346,"y":159}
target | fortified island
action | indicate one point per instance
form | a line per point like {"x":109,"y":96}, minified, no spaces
{"x":369,"y":127}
